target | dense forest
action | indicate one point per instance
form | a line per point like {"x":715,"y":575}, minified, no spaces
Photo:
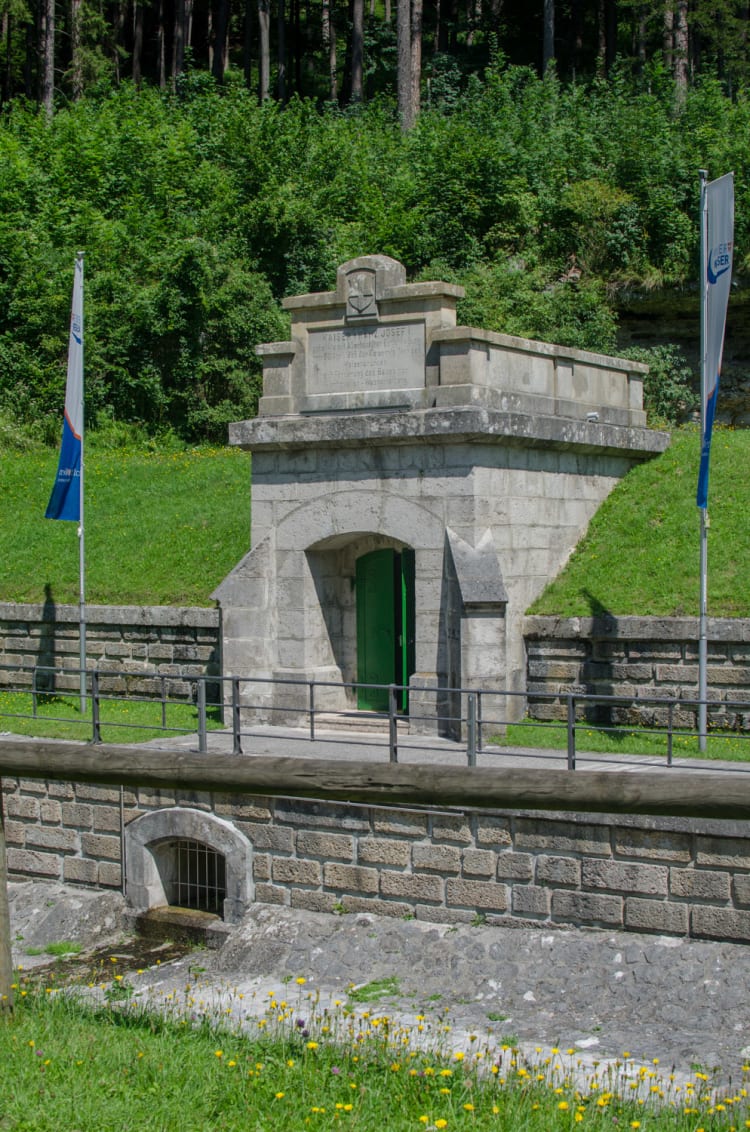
{"x":209,"y":163}
{"x":346,"y":52}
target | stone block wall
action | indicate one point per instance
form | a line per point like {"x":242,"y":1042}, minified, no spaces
{"x":668,"y":876}
{"x":131,"y":643}
{"x":648,"y":657}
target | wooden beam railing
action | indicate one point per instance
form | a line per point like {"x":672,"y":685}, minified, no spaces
{"x":705,"y":794}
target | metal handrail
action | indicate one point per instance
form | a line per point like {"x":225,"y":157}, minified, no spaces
{"x":573,"y":708}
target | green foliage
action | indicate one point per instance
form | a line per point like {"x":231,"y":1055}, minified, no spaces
{"x":668,"y":387}
{"x":199,"y":211}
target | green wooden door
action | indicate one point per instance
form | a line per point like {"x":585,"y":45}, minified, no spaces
{"x":385,"y":625}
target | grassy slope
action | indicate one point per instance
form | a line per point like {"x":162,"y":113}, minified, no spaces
{"x":161,"y":527}
{"x":166,"y":527}
{"x":642,"y":551}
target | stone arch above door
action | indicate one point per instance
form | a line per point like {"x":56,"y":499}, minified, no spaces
{"x":144,"y":884}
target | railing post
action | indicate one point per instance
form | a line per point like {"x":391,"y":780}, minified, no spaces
{"x":670,"y":718}
{"x":236,"y":720}
{"x":571,"y":731}
{"x":471,"y":729}
{"x":96,"y":720}
{"x":202,"y":730}
{"x":392,"y":725}
{"x":311,"y":702}
{"x":163,"y":682}
{"x":33,"y":690}
{"x":479,"y":720}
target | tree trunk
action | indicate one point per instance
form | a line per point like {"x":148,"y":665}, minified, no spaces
{"x":639,"y":47}
{"x":681,"y":61}
{"x":403,"y":39}
{"x":220,"y":40}
{"x":548,"y":39}
{"x":247,"y":46}
{"x":178,"y":41}
{"x":416,"y":58}
{"x":264,"y":21}
{"x":137,"y":43}
{"x":5,"y":85}
{"x":48,"y":57}
{"x":576,"y":36}
{"x":358,"y":45}
{"x":121,"y":21}
{"x":610,"y":34}
{"x":76,"y":70}
{"x":281,"y":51}
{"x":328,"y":33}
{"x":161,"y":39}
{"x":474,"y":15}
{"x":668,"y":35}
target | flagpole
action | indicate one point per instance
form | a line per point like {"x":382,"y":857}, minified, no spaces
{"x":81,"y":539}
{"x":704,"y":523}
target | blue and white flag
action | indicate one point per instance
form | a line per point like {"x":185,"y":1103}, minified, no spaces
{"x":65,"y":500}
{"x":716,"y":281}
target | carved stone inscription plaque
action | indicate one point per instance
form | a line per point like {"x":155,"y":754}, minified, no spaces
{"x":366,"y":358}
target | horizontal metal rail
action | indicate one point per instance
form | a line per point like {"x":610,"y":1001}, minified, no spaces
{"x":475,"y":720}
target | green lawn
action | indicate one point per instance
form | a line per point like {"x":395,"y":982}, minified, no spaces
{"x":729,"y":746}
{"x":127,"y":720}
{"x":68,"y":1067}
{"x":161,"y":527}
{"x":641,"y":555}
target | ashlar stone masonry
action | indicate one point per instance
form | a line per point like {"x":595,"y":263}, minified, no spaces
{"x":415,"y":485}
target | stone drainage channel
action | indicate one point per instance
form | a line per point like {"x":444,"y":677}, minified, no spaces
{"x":581,"y":1000}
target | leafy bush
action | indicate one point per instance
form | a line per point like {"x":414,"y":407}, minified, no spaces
{"x":669,"y":387}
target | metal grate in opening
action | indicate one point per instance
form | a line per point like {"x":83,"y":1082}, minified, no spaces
{"x":199,"y":879}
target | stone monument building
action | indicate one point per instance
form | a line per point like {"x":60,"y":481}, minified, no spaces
{"x":415,"y":485}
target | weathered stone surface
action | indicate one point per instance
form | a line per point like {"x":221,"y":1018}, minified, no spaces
{"x":562,"y":871}
{"x":700,"y":884}
{"x":720,"y":923}
{"x":410,"y":887}
{"x":350,"y":878}
{"x":587,"y":908}
{"x":476,"y":894}
{"x":383,"y":851}
{"x":656,"y":916}
{"x":331,"y":846}
{"x":531,"y":900}
{"x":437,"y":858}
{"x":288,"y":870}
{"x":621,"y":877}
{"x":561,"y":837}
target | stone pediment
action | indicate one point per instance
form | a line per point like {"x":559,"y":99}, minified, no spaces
{"x":377,"y":344}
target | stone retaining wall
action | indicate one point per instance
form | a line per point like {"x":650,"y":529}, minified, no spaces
{"x":648,"y":657}
{"x":669,"y":876}
{"x":123,"y":639}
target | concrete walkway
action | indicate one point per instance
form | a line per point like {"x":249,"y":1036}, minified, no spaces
{"x":353,"y":744}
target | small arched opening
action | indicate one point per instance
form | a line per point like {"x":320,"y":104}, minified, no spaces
{"x":188,"y":859}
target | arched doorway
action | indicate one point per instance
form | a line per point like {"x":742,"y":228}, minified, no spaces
{"x":385,"y":626}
